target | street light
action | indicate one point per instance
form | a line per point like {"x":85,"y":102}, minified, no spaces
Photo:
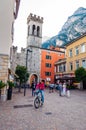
{"x":28,"y":50}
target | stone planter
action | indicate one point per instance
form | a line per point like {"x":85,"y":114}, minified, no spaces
{"x":3,"y":94}
{"x":9,"y":93}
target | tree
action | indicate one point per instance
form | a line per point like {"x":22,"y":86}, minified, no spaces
{"x":21,"y":71}
{"x":80,"y":74}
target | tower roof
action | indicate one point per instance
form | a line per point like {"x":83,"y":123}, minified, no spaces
{"x":34,"y":17}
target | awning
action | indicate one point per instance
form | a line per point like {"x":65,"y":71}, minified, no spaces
{"x":65,"y":78}
{"x":12,"y":72}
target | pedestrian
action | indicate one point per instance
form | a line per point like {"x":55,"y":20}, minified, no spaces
{"x":56,"y":86}
{"x":51,"y":87}
{"x":60,"y":88}
{"x":64,"y":89}
{"x":33,"y":88}
{"x":68,"y":93}
{"x":68,"y":90}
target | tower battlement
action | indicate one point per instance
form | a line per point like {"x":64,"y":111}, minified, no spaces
{"x":14,"y":48}
{"x":34,"y":18}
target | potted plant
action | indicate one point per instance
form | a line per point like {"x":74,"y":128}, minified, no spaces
{"x":2,"y":84}
{"x":11,"y":85}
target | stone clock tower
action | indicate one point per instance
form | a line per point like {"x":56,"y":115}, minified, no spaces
{"x":34,"y":40}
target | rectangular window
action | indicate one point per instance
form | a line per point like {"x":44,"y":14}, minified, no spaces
{"x":60,"y":68}
{"x":48,"y":73}
{"x":84,"y":63}
{"x":64,"y":68}
{"x":77,"y":64}
{"x":70,"y":53}
{"x":71,"y":66}
{"x":48,"y":57}
{"x":82,"y":48}
{"x":48,"y":65}
{"x":77,"y":50}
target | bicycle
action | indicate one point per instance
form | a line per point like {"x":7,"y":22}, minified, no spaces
{"x":38,"y":99}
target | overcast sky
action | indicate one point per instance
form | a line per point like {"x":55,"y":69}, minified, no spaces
{"x":54,"y":12}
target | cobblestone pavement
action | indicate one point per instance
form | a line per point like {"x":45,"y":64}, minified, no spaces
{"x":58,"y":113}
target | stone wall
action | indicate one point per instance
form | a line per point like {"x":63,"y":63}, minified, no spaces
{"x":4,"y":67}
{"x":4,"y":74}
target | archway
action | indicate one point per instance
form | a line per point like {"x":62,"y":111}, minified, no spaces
{"x":33,"y":77}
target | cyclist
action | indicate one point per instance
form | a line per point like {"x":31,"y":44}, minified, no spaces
{"x":41,"y":88}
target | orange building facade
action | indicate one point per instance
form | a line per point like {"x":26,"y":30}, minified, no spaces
{"x":48,"y":59}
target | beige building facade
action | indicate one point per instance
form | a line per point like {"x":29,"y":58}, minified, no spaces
{"x":8,"y":12}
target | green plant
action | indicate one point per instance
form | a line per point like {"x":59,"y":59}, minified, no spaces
{"x":80,"y":74}
{"x":69,"y":87}
{"x":10,"y":83}
{"x":23,"y":75}
{"x":2,"y":84}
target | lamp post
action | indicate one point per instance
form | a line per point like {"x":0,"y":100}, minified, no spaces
{"x":28,"y":50}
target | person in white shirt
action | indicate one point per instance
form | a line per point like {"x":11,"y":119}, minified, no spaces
{"x":64,"y":89}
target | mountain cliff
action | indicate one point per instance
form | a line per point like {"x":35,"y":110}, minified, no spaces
{"x":74,"y":27}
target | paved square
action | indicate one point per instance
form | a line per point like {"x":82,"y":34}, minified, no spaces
{"x":58,"y":113}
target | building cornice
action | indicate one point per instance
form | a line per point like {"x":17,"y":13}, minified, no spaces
{"x":46,"y":49}
{"x":83,"y":35}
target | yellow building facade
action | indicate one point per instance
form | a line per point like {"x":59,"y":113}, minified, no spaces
{"x":75,"y":57}
{"x":76,"y":54}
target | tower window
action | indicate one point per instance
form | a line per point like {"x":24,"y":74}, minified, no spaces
{"x":28,"y":30}
{"x":38,"y":30}
{"x":33,"y":29}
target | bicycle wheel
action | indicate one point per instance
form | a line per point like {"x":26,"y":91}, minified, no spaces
{"x":36,"y":103}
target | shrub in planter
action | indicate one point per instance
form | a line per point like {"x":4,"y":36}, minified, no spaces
{"x":70,"y":87}
{"x":2,"y":84}
{"x":11,"y":85}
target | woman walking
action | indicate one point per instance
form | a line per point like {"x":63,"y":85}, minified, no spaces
{"x":64,"y":89}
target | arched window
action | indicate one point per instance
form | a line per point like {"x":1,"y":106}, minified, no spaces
{"x":33,"y":30}
{"x":38,"y":30}
{"x":28,"y":30}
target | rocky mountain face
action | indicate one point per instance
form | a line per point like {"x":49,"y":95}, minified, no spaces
{"x":74,"y":27}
